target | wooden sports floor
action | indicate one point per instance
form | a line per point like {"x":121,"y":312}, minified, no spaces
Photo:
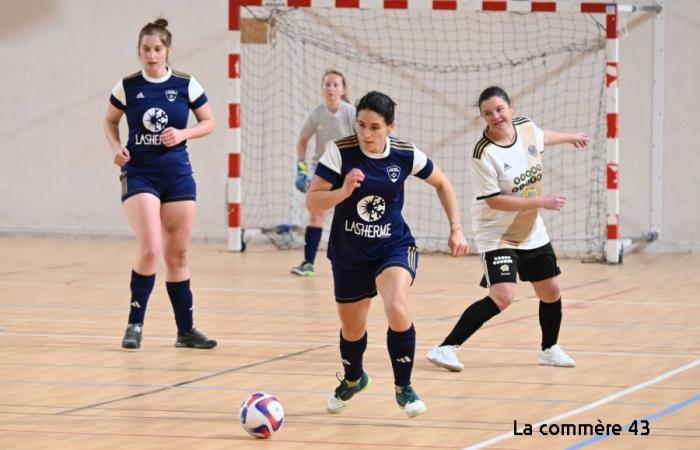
{"x":65,"y":382}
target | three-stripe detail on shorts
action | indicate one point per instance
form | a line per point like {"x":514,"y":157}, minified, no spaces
{"x":413,"y":258}
{"x":486,"y":269}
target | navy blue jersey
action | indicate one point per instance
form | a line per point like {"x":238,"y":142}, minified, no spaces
{"x":151,"y":105}
{"x":368,"y":224}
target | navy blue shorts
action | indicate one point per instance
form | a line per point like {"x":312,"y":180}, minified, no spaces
{"x":359,"y":283}
{"x":501,"y":266}
{"x":167,"y":187}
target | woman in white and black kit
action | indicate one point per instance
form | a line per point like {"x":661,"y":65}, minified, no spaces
{"x":507,"y":173}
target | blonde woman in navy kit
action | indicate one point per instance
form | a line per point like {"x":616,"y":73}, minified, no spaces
{"x":158,"y":189}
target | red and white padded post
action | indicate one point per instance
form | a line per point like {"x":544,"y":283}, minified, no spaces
{"x":233,"y":188}
{"x":613,"y":244}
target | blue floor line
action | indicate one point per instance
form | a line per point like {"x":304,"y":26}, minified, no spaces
{"x":656,"y":415}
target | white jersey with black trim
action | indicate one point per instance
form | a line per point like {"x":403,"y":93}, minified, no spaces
{"x":514,"y":170}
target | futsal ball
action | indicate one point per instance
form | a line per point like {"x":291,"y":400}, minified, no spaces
{"x":261,"y":415}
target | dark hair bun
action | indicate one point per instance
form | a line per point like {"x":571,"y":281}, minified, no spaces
{"x":161,"y":22}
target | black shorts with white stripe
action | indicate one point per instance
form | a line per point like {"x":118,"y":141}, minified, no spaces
{"x":502,"y":265}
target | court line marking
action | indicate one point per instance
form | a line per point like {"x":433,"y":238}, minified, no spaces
{"x":298,"y":343}
{"x":244,"y":438}
{"x":155,"y":388}
{"x":570,"y":301}
{"x":650,"y":418}
{"x":597,"y":403}
{"x":186,"y":382}
{"x":40,"y":269}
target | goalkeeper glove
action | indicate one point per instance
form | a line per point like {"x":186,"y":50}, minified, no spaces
{"x":302,"y":179}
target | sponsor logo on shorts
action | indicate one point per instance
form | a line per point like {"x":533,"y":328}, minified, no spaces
{"x":498,"y":260}
{"x":503,"y":263}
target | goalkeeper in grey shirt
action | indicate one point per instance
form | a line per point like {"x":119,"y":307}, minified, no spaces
{"x":329,"y":121}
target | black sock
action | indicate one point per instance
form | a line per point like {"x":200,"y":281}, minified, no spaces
{"x":402,"y":351}
{"x":141,"y":288}
{"x":181,"y":300}
{"x":312,"y":237}
{"x":550,"y":322}
{"x":351,"y":353}
{"x":472,"y":319}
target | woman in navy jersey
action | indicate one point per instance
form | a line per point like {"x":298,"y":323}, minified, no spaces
{"x":158,"y":189}
{"x":507,"y":173}
{"x":371,"y":248}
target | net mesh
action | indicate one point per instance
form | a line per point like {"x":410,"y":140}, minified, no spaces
{"x":433,"y":64}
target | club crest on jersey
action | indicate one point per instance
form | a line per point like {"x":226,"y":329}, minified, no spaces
{"x":171,"y":95}
{"x":394,"y":173}
{"x":532,"y":150}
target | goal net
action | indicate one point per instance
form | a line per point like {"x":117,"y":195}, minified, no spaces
{"x":433,"y":64}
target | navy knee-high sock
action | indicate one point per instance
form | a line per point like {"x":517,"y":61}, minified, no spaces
{"x":472,"y":319}
{"x":181,"y":300}
{"x":312,"y":238}
{"x":550,"y":322}
{"x":402,"y":350}
{"x":141,"y":288}
{"x":351,"y":353}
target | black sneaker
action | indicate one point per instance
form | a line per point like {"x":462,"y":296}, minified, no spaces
{"x":132,"y":336}
{"x":194,"y":339}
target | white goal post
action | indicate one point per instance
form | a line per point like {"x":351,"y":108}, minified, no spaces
{"x":558,"y":60}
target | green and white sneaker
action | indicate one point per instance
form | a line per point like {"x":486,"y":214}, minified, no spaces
{"x":305,"y":269}
{"x":407,"y":399}
{"x":345,"y":391}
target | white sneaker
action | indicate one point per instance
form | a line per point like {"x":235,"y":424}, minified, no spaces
{"x":409,"y":401}
{"x":555,"y":356}
{"x":337,"y":400}
{"x":415,"y":409}
{"x":334,"y":405}
{"x":445,"y":356}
